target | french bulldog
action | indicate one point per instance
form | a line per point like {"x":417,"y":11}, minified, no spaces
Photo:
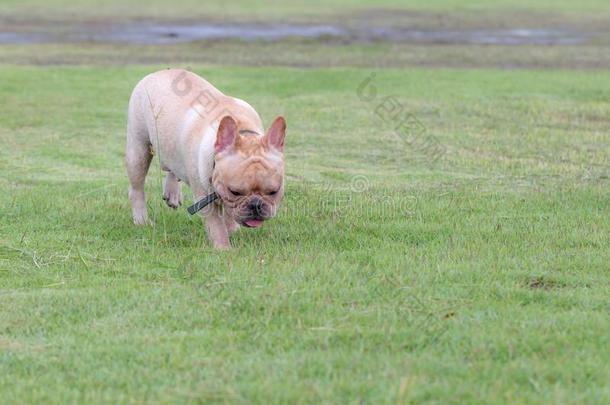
{"x":212,"y":142}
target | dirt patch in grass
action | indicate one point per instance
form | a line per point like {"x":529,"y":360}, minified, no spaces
{"x":543,"y":283}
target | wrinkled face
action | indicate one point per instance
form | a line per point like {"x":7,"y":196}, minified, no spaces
{"x":249,"y":172}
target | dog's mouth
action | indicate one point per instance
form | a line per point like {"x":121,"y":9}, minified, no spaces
{"x":252,"y":223}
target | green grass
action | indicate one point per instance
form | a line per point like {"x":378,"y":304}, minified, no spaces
{"x":259,"y":9}
{"x":312,"y":54}
{"x":480,"y":277}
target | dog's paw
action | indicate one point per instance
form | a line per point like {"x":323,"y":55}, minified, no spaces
{"x":141,"y":220}
{"x":222,"y":246}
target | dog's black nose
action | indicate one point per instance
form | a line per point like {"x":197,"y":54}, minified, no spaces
{"x":256,"y":206}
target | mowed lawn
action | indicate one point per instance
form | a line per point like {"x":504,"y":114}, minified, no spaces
{"x":388,"y":276}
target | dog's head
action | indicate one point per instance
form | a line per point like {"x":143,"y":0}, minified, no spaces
{"x":249,"y":171}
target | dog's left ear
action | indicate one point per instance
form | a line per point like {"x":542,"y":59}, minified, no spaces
{"x":277,"y":133}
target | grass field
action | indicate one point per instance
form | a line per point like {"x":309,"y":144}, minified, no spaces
{"x":476,"y":274}
{"x":483,"y":276}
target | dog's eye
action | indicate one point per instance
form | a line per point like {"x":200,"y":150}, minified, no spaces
{"x":272,"y":192}
{"x":235,"y":193}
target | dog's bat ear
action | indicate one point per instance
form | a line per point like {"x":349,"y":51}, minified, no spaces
{"x":227,"y":133}
{"x":277,"y":133}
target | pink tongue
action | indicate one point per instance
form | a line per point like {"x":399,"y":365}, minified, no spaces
{"x":254,"y":223}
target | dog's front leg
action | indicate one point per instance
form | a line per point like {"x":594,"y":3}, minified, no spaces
{"x":230,"y":223}
{"x":216,"y":228}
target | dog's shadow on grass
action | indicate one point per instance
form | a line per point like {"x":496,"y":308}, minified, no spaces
{"x":317,"y":228}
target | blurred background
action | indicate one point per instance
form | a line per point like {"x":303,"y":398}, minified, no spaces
{"x":387,"y":33}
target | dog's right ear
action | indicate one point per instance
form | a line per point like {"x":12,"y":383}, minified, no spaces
{"x":227,"y":134}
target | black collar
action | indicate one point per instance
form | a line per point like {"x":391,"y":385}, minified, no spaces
{"x":201,"y":204}
{"x":205,"y":201}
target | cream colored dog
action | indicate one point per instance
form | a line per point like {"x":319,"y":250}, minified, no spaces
{"x":212,"y":142}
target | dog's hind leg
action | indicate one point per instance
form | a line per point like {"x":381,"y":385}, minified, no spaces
{"x":137,"y":158}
